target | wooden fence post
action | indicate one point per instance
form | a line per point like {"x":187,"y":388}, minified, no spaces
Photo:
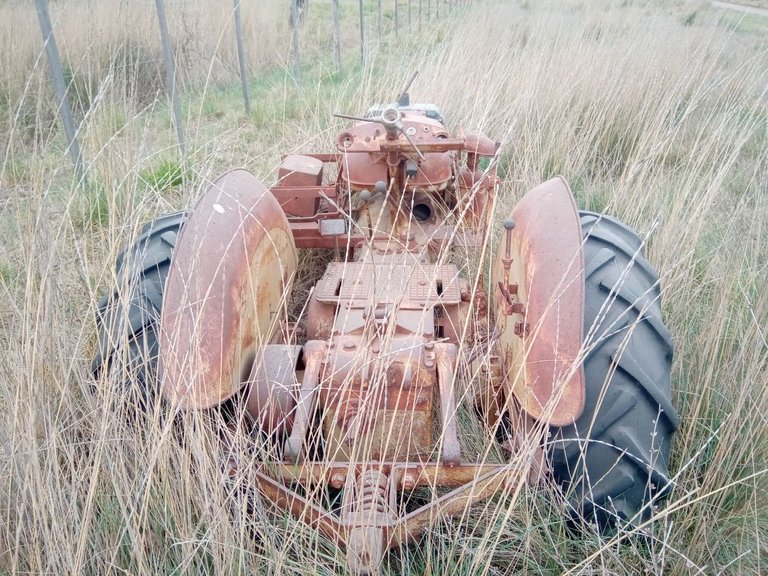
{"x":170,"y":74}
{"x":60,"y":88}
{"x":241,"y":58}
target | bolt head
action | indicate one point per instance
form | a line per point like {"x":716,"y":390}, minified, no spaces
{"x":337,"y":480}
{"x":509,"y":224}
{"x":365,"y":195}
{"x":380,"y":187}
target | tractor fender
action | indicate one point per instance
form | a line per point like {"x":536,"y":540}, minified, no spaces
{"x":538,"y":284}
{"x":229,"y":280}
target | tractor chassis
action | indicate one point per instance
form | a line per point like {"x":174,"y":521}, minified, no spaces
{"x":379,"y":355}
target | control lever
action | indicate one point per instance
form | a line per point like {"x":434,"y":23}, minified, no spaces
{"x":391,"y":119}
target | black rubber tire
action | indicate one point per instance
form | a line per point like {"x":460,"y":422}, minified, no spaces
{"x":128,"y":317}
{"x":612,"y":462}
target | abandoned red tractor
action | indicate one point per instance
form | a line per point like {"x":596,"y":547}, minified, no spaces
{"x":558,"y":347}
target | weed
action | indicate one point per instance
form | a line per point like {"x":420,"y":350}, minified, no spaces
{"x":91,"y":208}
{"x":163,"y":177}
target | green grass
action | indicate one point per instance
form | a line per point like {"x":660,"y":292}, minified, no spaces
{"x":163,"y":177}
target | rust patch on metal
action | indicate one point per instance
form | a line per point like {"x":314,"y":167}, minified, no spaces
{"x":234,"y":261}
{"x":539,"y":304}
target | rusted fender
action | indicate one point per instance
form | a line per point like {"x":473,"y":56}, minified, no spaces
{"x":539,"y":304}
{"x":229,"y":279}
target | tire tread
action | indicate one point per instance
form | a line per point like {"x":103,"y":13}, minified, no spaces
{"x":612,"y":461}
{"x":128,"y":316}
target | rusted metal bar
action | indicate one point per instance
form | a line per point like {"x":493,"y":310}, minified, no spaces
{"x":426,"y":146}
{"x":305,"y":407}
{"x":406,"y":475}
{"x":412,"y":525}
{"x":314,"y":515}
{"x":446,"y":369}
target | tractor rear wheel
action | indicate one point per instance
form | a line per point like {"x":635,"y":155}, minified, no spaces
{"x":128,"y":318}
{"x":612,"y":461}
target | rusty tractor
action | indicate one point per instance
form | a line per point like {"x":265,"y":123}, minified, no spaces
{"x":558,"y":346}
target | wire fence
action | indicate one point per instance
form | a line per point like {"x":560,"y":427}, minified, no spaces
{"x":403,"y":15}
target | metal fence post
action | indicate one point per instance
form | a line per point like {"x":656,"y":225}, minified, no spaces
{"x":60,"y":88}
{"x":170,"y":74}
{"x":295,"y":41}
{"x":336,"y":17}
{"x":362,"y":35}
{"x":241,"y":58}
{"x":397,"y":18}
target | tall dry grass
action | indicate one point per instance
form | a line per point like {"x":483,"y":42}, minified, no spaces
{"x":656,"y":113}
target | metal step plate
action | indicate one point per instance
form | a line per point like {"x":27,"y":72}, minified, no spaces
{"x":409,"y":286}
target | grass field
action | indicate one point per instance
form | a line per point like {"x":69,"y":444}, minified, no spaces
{"x":655,"y":111}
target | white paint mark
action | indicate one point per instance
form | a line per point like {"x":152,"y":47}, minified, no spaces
{"x":219,"y":208}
